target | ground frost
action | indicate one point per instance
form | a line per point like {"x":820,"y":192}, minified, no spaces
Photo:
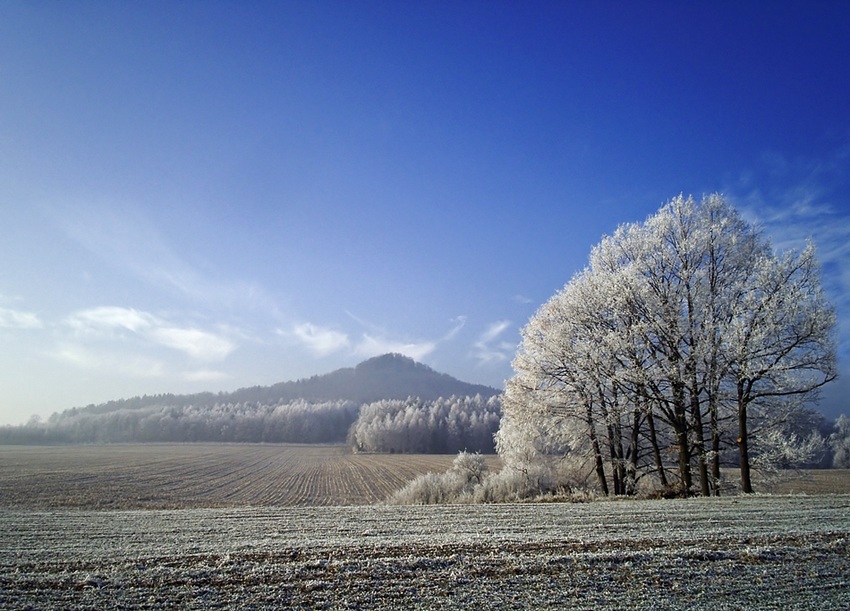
{"x":755,"y":552}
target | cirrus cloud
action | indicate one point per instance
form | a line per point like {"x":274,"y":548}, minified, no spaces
{"x":112,"y":322}
{"x":487,"y":349}
{"x":321,"y":341}
{"x":15,"y":319}
{"x":371,"y":345}
{"x":200,"y":345}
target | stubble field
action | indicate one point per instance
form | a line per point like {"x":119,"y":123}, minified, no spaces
{"x":166,"y":476}
{"x":206,"y":541}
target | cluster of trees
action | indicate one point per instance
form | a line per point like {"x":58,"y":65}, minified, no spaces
{"x":686,"y":344}
{"x":442,"y":426}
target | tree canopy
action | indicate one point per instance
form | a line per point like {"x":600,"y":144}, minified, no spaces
{"x":685,"y":337}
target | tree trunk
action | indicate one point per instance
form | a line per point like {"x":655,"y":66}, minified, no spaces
{"x":684,"y":459}
{"x":600,"y":464}
{"x":615,"y":462}
{"x":715,"y":444}
{"x":680,"y":422}
{"x":699,"y":444}
{"x":597,"y":453}
{"x":634,"y":456}
{"x":656,"y":451}
{"x":743,"y":439}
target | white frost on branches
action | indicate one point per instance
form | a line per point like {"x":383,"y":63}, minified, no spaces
{"x":685,"y":336}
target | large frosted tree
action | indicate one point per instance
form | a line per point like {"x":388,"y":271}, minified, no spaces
{"x":681,"y":332}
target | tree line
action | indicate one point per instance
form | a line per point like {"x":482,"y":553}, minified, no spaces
{"x":410,"y":426}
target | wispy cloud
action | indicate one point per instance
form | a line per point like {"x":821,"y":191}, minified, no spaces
{"x":204,"y":375}
{"x":114,"y":322}
{"x":109,"y":361}
{"x":321,"y":341}
{"x":110,"y":318}
{"x":371,"y":345}
{"x":15,"y":319}
{"x":124,"y":237}
{"x":488,"y":349}
{"x":376,"y":340}
{"x":459,"y":322}
{"x":198,"y":344}
{"x":794,"y":200}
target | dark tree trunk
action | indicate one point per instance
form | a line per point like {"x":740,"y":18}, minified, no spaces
{"x":656,"y":451}
{"x":699,"y":444}
{"x":715,"y":445}
{"x":599,"y":463}
{"x":634,"y":456}
{"x":743,"y":440}
{"x":615,"y":462}
{"x":680,"y":422}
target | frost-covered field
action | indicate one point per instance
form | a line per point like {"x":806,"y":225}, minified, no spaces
{"x":762,"y":552}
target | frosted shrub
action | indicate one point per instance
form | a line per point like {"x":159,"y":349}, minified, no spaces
{"x":454,"y":486}
{"x":428,"y":489}
{"x":469,"y":468}
{"x":509,"y":485}
{"x":468,"y":481}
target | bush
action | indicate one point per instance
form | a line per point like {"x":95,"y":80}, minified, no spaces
{"x":454,"y":486}
{"x":468,"y":481}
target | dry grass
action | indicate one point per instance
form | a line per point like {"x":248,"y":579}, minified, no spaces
{"x":820,"y":481}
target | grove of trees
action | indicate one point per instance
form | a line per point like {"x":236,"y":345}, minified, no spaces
{"x":442,"y":426}
{"x":685,"y":345}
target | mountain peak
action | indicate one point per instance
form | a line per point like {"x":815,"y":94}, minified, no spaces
{"x":392,"y":361}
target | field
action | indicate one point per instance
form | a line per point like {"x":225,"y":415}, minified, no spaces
{"x":256,"y":527}
{"x":161,"y":476}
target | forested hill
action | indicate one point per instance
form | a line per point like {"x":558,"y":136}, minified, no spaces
{"x":407,"y":403}
{"x":390,"y":376}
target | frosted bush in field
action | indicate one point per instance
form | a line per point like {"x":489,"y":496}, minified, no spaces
{"x":511,"y":484}
{"x":468,"y":481}
{"x":428,"y":489}
{"x":455,"y":485}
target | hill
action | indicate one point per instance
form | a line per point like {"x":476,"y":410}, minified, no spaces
{"x":409,"y":402}
{"x":389,"y":376}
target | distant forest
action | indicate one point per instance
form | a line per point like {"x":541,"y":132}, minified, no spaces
{"x":386,"y":404}
{"x":436,"y":426}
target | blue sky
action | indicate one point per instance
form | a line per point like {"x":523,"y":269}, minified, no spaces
{"x":210,"y":195}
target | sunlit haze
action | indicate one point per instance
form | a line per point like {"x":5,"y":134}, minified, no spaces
{"x":212,"y":195}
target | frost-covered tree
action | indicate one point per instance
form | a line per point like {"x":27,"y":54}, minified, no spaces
{"x":780,"y":344}
{"x":680,"y":329}
{"x":443,"y":426}
{"x":839,"y":443}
